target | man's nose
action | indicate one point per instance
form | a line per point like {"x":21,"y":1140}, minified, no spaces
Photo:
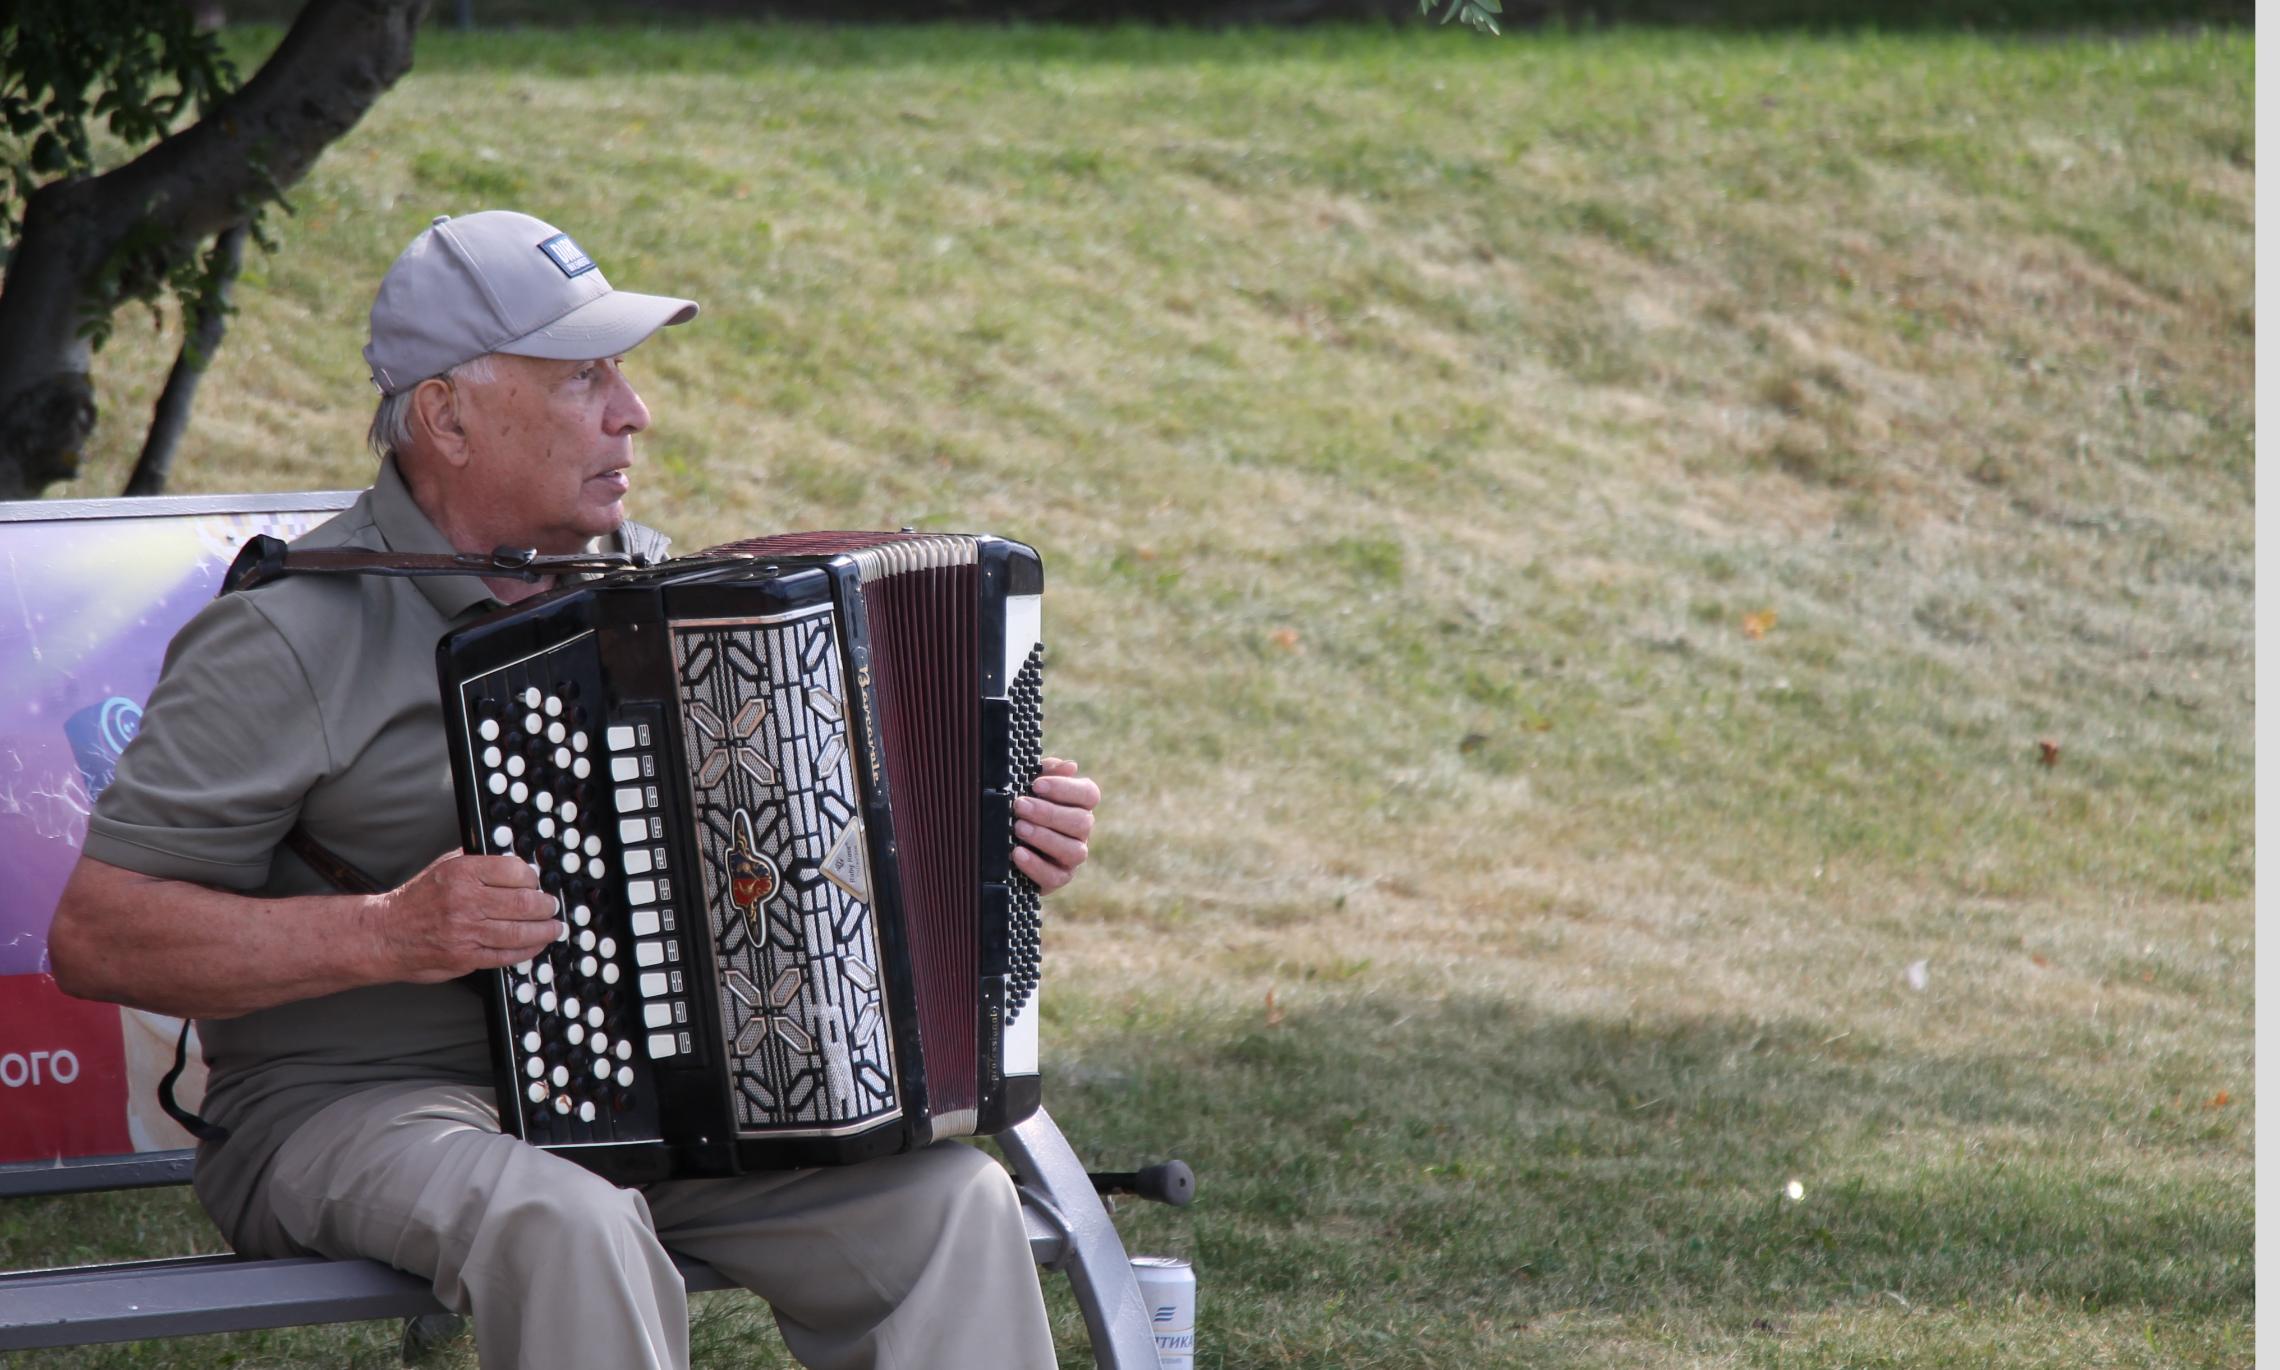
{"x":626,"y":413}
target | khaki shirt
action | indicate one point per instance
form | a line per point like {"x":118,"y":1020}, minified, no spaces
{"x":311,"y":700}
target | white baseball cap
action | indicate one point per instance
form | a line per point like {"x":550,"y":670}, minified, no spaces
{"x":499,"y":281}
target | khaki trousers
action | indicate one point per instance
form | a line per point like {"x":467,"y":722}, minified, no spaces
{"x":918,"y":1260}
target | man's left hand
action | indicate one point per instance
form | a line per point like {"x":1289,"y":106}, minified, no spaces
{"x":1054,"y":822}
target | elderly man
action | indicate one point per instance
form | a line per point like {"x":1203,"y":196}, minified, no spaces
{"x":348,"y":1059}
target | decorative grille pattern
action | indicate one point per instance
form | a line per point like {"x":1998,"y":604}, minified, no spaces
{"x":786,"y":874}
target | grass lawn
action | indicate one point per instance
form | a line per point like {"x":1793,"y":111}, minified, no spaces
{"x":1661,"y":616}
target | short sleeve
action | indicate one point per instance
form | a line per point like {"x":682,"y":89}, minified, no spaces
{"x":230,"y":742}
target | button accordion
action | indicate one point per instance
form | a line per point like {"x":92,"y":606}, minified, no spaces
{"x":771,"y":786}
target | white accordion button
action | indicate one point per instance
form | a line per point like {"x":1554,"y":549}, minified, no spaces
{"x":518,"y":792}
{"x":571,"y":862}
{"x":581,"y":915}
{"x":586,"y":939}
{"x":569,"y":810}
{"x":594,"y":1019}
{"x":576,"y":1033}
{"x":488,"y":729}
{"x":632,"y":830}
{"x":534,"y":1067}
{"x":578,"y":741}
{"x":649,"y":954}
{"x":524,"y":993}
{"x":546,"y":1001}
{"x":657,"y":1015}
{"x":593,"y":845}
{"x":621,"y":738}
{"x":503,"y":837}
{"x":562,"y":1104}
{"x":645,"y":922}
{"x":533,"y":723}
{"x":544,"y":801}
{"x":545,"y":974}
{"x":554,"y":706}
{"x":641,"y":891}
{"x":560,"y":1077}
{"x":586,"y":1111}
{"x":625,"y":768}
{"x":601,"y":1070}
{"x":660,"y":1045}
{"x":629,"y":799}
{"x":516,"y":766}
{"x":580,"y":769}
{"x":637,"y":861}
{"x":538,"y":1091}
{"x":545,"y":824}
{"x":609,"y":972}
{"x":652,"y":985}
{"x":608,"y":948}
{"x":625,"y":1073}
{"x":491,"y":757}
{"x":562,"y":758}
{"x":531,"y":697}
{"x":497,"y":783}
{"x":601,"y":1046}
{"x":530,"y":1040}
{"x":624,"y":1053}
{"x":589,"y":967}
{"x":570,"y":1007}
{"x":555,"y":732}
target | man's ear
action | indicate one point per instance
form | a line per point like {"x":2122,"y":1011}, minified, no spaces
{"x":436,"y":420}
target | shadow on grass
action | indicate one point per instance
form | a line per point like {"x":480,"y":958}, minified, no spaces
{"x":1472,"y":1158}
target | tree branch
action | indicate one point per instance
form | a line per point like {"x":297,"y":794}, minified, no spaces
{"x":201,"y":338}
{"x":338,"y":59}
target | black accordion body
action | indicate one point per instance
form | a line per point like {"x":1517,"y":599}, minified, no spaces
{"x":772,"y":787}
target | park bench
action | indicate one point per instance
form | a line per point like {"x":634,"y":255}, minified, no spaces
{"x":157,"y":560}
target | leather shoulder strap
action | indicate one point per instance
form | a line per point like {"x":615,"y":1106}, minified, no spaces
{"x":264,"y":559}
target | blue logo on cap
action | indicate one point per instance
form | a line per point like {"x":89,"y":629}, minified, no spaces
{"x":565,"y":254}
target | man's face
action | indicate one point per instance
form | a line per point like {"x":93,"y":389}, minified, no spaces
{"x":549,"y":447}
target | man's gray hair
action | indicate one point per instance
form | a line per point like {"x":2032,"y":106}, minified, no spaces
{"x":391,"y":430}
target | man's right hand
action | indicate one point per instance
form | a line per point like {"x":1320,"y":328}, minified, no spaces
{"x":464,"y":913}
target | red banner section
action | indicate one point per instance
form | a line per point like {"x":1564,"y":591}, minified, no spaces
{"x":63,"y":1074}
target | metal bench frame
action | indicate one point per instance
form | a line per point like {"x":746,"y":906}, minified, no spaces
{"x":1069,"y":1227}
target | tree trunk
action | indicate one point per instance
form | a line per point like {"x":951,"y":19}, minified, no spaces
{"x":201,"y":338}
{"x":339,"y":57}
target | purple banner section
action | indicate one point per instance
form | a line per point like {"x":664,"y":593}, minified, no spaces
{"x":87,"y":606}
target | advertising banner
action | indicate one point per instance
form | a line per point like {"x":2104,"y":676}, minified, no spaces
{"x":90,"y":593}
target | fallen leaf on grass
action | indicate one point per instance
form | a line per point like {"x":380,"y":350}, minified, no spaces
{"x":2224,"y":1097}
{"x":2049,"y":751}
{"x":1285,"y":638}
{"x":1756,"y":626}
{"x":1274,"y":1010}
{"x":2041,"y":960}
